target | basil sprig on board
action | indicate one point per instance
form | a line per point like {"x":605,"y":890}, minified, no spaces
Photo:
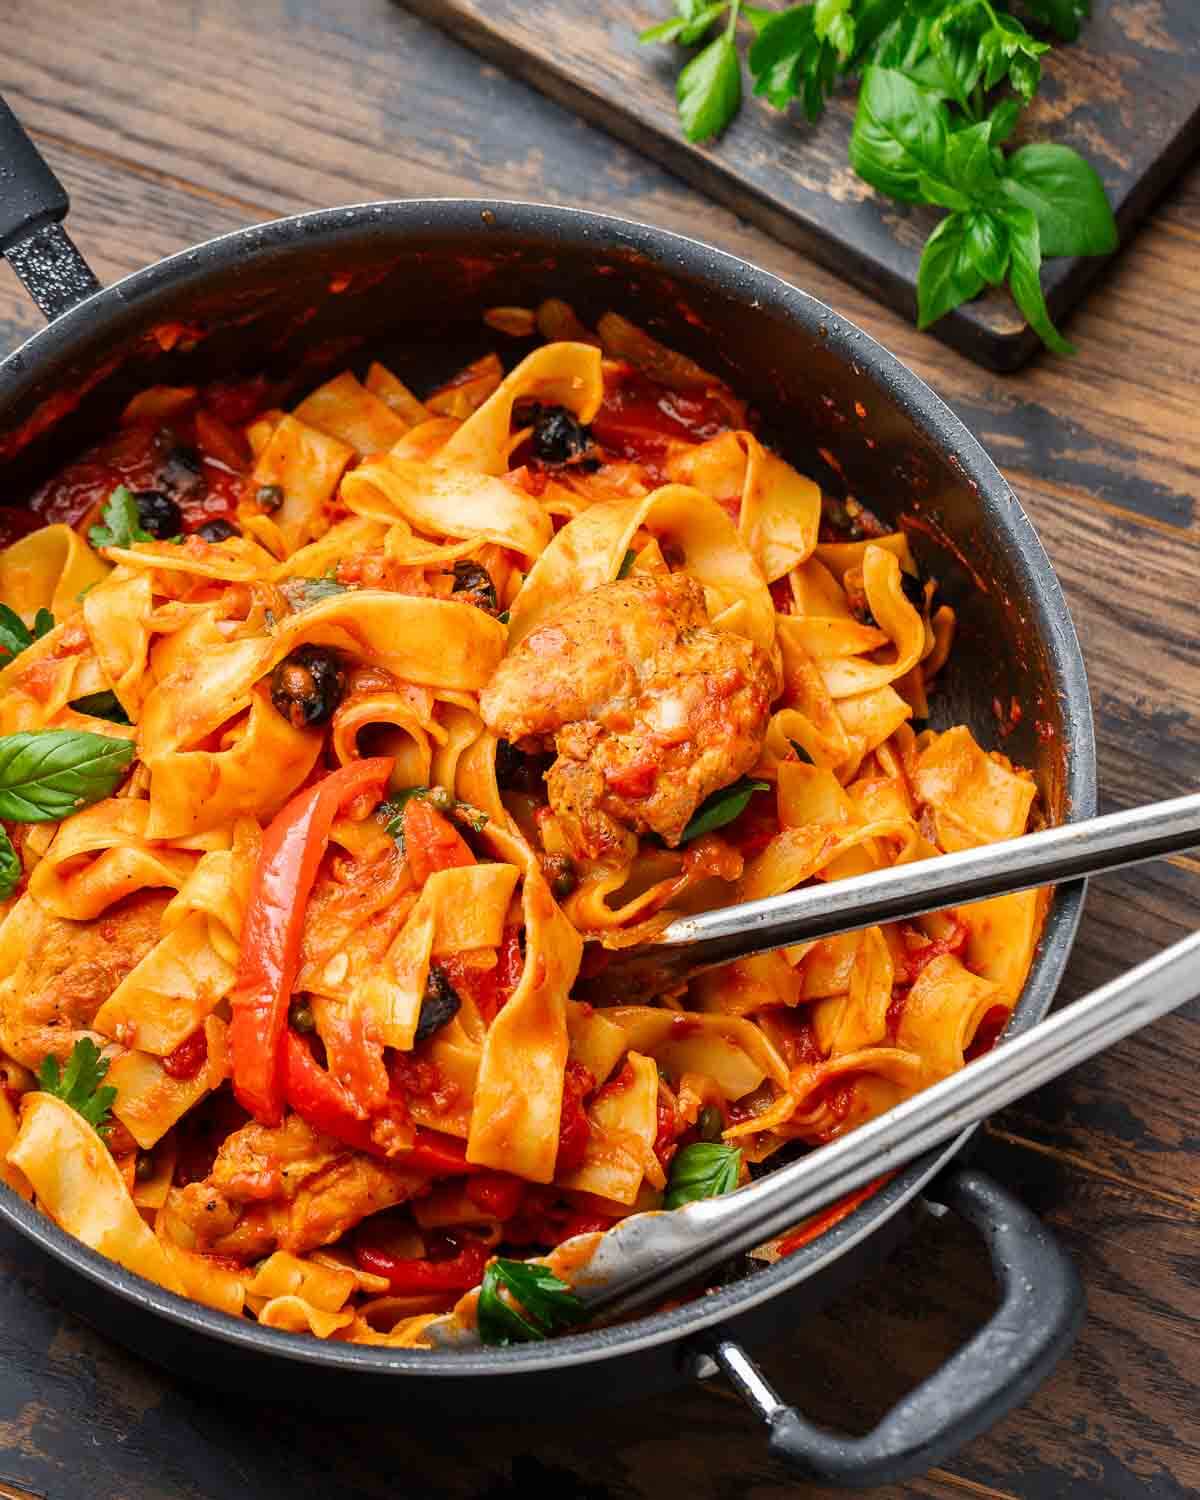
{"x":705,"y":1170}
{"x":722,"y":807}
{"x":15,"y":635}
{"x":48,"y":774}
{"x":547,"y":1304}
{"x":81,"y":1083}
{"x":943,"y":86}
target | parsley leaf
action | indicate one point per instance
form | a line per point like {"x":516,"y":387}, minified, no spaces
{"x":788,"y":60}
{"x":722,"y":807}
{"x":10,"y":867}
{"x":48,"y":774}
{"x":547,"y":1304}
{"x":708,"y":91}
{"x":1065,"y":16}
{"x":303,"y":593}
{"x":705,"y":1170}
{"x":15,"y":635}
{"x":122,"y":523}
{"x":689,"y":26}
{"x":391,"y":813}
{"x":80,"y":1084}
{"x":105,"y":705}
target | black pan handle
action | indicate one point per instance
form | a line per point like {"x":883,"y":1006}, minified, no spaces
{"x":32,"y":205}
{"x":1040,"y":1310}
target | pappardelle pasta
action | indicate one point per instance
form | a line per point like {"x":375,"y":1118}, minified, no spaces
{"x":340,"y":744}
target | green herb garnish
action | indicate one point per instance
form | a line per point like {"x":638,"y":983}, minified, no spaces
{"x":303,"y":593}
{"x":943,"y":86}
{"x":49,"y":774}
{"x":81,"y":1083}
{"x":722,"y":807}
{"x":10,"y":867}
{"x":105,"y":705}
{"x":391,"y":812}
{"x":627,"y":563}
{"x":547,"y":1305}
{"x":705,"y":1170}
{"x":122,"y":523}
{"x":802,"y":754}
{"x":15,"y":635}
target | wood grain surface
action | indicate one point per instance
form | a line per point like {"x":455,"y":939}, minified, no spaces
{"x":1127,"y":95}
{"x":174,"y":120}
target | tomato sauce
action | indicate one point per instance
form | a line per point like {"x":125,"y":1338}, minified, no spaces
{"x":638,"y":419}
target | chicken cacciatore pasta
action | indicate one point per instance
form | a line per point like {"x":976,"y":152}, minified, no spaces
{"x":338,"y":742}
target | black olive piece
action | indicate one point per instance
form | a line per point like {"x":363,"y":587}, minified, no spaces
{"x":269,"y":496}
{"x":558,"y":437}
{"x":560,"y":872}
{"x":300,"y":1016}
{"x":518,"y":772}
{"x":158,"y":514}
{"x":471,"y":578}
{"x":438,"y":1005}
{"x":218,"y":530}
{"x":711,"y":1123}
{"x":308,"y":685}
{"x":181,"y":470}
{"x":509,"y":762}
{"x":914,"y":589}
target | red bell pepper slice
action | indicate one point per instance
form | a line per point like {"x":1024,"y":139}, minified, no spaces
{"x":320,"y":1099}
{"x":411,"y":1276}
{"x":430,"y":842}
{"x":497,"y":1193}
{"x":287,"y":866}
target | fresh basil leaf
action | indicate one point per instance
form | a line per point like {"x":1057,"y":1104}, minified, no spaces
{"x":547,"y":1304}
{"x":105,"y":705}
{"x":1065,"y":194}
{"x":43,"y":624}
{"x":1065,"y":16}
{"x":709,"y":90}
{"x":947,"y":275}
{"x":722,"y":807}
{"x":704,"y":1170}
{"x":10,"y":867}
{"x":758,"y":16}
{"x":899,"y":137}
{"x":986,"y":245}
{"x":627,"y":563}
{"x":1024,"y":278}
{"x":303,"y":593}
{"x":789,"y":60}
{"x":686,"y":29}
{"x":79,"y":1084}
{"x":14,"y":633}
{"x":48,"y":774}
{"x":833,"y":22}
{"x":122,"y":523}
{"x":1003,"y":120}
{"x":872,"y":19}
{"x":969,"y":162}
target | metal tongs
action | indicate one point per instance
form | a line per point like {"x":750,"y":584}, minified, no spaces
{"x":647,"y":1256}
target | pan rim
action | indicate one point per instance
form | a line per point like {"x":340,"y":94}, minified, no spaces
{"x":129,"y":300}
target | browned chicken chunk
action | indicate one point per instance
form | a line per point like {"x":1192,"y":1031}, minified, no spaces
{"x":286,"y":1188}
{"x":649,"y":708}
{"x":67,"y":970}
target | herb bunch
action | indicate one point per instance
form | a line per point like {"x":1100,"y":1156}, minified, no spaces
{"x":943,"y":84}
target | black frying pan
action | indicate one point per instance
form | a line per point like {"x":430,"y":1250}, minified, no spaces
{"x":408,"y":281}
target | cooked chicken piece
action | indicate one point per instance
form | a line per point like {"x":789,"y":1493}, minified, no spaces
{"x":649,"y":708}
{"x":67,"y":970}
{"x":286,"y":1188}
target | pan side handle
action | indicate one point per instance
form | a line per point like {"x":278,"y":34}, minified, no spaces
{"x":32,"y":205}
{"x":1041,"y":1307}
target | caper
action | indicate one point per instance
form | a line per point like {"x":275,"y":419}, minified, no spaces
{"x":217,"y":530}
{"x":711,"y":1123}
{"x":144,"y":1167}
{"x":308,"y":685}
{"x":472,"y":579}
{"x":560,"y":873}
{"x":269,"y":496}
{"x":300,"y":1016}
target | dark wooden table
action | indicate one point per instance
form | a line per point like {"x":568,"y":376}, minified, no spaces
{"x":171,"y":122}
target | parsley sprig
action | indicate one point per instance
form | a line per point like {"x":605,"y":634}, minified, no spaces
{"x":81,"y":1083}
{"x":538,"y":1303}
{"x":943,"y":84}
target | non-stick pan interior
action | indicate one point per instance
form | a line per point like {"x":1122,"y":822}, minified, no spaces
{"x":409,"y":283}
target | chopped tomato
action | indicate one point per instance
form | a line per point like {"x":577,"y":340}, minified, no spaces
{"x":666,"y":1141}
{"x":431,"y":842}
{"x":189,"y":1057}
{"x":574,"y":1128}
{"x":497,"y":1193}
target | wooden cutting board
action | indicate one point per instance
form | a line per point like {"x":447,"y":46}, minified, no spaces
{"x":1126,"y":94}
